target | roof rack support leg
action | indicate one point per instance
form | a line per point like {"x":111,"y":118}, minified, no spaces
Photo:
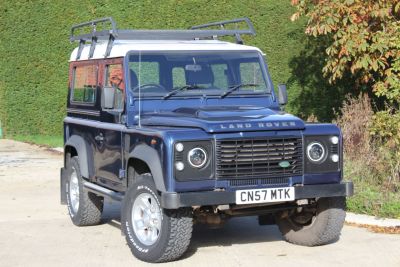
{"x":81,"y":44}
{"x":92,"y":46}
{"x":238,"y":39}
{"x":109,"y":45}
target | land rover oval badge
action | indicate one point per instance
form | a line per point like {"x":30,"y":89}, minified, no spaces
{"x":284,"y":164}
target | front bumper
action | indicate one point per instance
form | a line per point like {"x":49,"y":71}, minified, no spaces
{"x":207,"y":198}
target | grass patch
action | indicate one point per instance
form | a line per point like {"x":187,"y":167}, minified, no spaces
{"x":371,"y":197}
{"x":373,"y":200}
{"x":51,"y":141}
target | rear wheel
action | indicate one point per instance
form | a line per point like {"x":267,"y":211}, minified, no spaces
{"x":314,"y":226}
{"x":154,"y":234}
{"x":84,"y":207}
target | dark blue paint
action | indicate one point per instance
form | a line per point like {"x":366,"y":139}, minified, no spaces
{"x":325,"y":178}
{"x":185,"y":118}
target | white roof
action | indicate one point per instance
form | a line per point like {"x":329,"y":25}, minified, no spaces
{"x":121,"y":47}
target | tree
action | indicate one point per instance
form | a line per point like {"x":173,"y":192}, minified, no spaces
{"x":364,"y":40}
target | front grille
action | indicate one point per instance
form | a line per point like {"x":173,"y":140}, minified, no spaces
{"x":277,"y":182}
{"x":259,"y":158}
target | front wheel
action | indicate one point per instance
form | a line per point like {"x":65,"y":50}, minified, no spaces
{"x":84,"y":207}
{"x":314,"y":226}
{"x":154,"y":234}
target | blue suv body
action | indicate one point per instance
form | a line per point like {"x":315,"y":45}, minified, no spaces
{"x":183,"y":127}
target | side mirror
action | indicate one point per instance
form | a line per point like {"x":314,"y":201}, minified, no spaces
{"x":282,"y":94}
{"x":107,"y":97}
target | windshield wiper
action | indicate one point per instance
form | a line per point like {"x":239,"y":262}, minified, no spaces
{"x":233,"y":88}
{"x":185,"y":87}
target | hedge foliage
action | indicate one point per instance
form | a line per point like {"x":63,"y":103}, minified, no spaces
{"x":34,"y":47}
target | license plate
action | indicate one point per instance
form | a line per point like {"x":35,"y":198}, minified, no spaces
{"x":264,"y":195}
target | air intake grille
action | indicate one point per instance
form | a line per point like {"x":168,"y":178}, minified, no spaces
{"x":259,"y":158}
{"x":262,"y":182}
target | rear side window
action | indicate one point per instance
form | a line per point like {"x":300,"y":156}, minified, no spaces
{"x":84,"y":86}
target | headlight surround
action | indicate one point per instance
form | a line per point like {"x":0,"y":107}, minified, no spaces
{"x":197,"y":157}
{"x":316,"y":152}
{"x":330,"y":162}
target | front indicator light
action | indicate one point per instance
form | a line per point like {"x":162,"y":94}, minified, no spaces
{"x":335,"y":140}
{"x":335,"y":158}
{"x":179,"y":147}
{"x":179,"y":166}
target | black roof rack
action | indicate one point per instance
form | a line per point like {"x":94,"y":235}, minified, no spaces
{"x":205,"y":31}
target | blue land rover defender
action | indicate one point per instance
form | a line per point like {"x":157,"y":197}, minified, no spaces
{"x":183,"y":127}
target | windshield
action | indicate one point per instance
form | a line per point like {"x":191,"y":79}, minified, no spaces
{"x":177,"y":74}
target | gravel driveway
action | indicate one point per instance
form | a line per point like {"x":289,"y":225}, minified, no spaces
{"x":35,"y":229}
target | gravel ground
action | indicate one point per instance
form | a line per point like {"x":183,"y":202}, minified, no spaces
{"x":35,"y":229}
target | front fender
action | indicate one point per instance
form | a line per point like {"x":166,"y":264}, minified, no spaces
{"x":84,"y":152}
{"x":150,"y":156}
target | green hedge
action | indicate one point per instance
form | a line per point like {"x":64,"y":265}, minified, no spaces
{"x":34,"y":47}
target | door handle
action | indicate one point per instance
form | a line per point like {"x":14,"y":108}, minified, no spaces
{"x":99,"y":138}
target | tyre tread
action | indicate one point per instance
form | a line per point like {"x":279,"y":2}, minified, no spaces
{"x":179,"y":230}
{"x":90,"y":206}
{"x":181,"y":233}
{"x":328,"y":230}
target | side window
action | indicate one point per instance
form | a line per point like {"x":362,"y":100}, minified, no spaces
{"x":84,"y":84}
{"x":178,"y":77}
{"x":250,"y":73}
{"x":115,"y":78}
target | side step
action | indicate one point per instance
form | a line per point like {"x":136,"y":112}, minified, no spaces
{"x":99,"y":190}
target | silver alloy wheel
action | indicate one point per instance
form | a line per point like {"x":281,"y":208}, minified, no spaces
{"x":146,"y":219}
{"x":74,"y":191}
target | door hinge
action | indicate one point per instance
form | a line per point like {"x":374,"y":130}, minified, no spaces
{"x":121,"y":174}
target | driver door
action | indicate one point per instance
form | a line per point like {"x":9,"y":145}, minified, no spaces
{"x":108,"y":152}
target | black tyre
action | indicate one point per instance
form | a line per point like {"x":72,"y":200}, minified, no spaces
{"x":314,"y":226}
{"x":84,"y":207}
{"x":154,"y":234}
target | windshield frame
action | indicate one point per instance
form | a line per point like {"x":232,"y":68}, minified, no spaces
{"x":263,"y":67}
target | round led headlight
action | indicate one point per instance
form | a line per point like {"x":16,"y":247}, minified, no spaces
{"x":315,"y":152}
{"x":197,"y":157}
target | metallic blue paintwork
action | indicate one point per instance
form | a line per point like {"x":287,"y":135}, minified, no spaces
{"x":326,"y":178}
{"x":132,"y":103}
{"x":197,"y":134}
{"x":199,"y":118}
{"x":166,"y":137}
{"x":202,"y":119}
{"x":225,"y":119}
